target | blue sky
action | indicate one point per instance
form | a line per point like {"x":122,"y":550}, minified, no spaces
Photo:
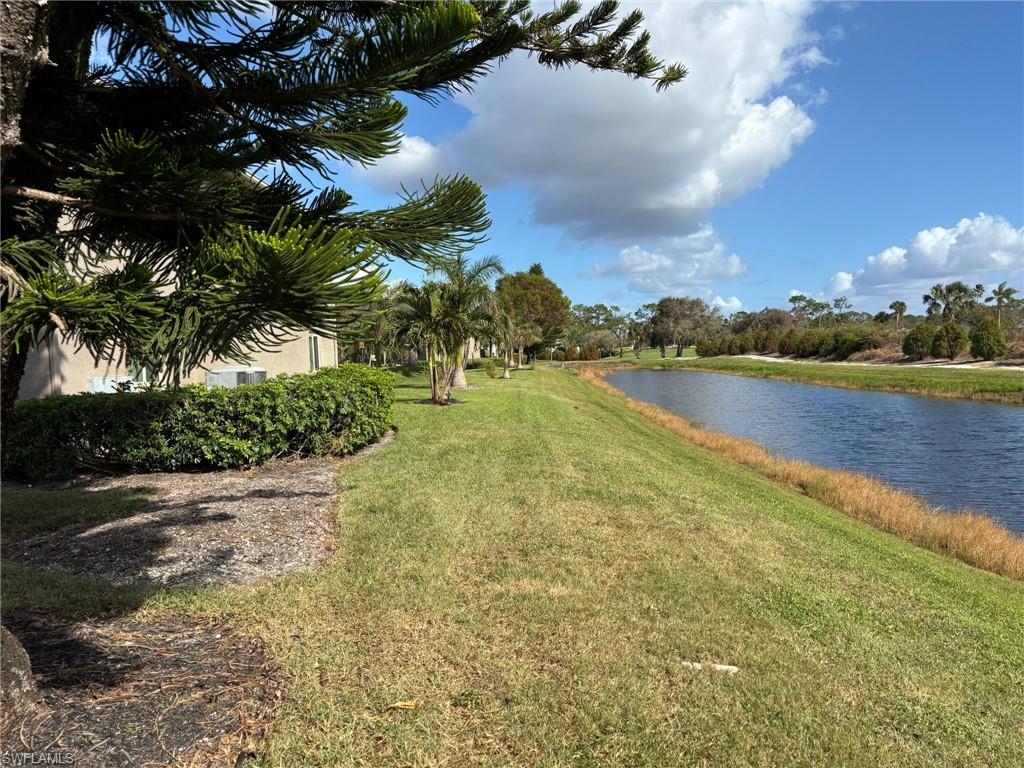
{"x":826,"y":149}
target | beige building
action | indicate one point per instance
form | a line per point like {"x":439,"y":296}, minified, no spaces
{"x":57,"y":368}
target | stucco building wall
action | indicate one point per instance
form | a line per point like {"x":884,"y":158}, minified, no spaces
{"x":57,"y":368}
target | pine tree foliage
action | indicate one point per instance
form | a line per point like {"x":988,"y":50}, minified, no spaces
{"x":175,"y":203}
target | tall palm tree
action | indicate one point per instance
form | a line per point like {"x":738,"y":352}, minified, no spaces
{"x":468,"y":290}
{"x":949,"y":301}
{"x":898,"y":309}
{"x":1002,"y":295}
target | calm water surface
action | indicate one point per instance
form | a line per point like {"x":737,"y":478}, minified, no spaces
{"x":953,"y":453}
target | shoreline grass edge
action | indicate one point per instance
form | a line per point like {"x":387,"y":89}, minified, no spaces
{"x":928,"y":382}
{"x":968,"y":536}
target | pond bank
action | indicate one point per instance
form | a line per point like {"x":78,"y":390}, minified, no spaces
{"x":976,"y":539}
{"x":999,"y":385}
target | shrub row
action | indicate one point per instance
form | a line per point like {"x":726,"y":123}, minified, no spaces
{"x":925,"y":340}
{"x":333,"y":411}
{"x":838,"y":343}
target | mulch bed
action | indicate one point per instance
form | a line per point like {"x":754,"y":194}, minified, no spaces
{"x":231,"y":527}
{"x":171,"y":690}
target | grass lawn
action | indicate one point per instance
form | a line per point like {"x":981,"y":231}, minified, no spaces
{"x":1003,"y":385}
{"x":521,"y":578}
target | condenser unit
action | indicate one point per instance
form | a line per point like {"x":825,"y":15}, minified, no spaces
{"x":235,"y":377}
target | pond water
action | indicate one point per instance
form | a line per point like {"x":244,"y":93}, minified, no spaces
{"x":953,"y":453}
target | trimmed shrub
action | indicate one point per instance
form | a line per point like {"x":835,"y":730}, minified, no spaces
{"x":590,"y":352}
{"x":333,"y":411}
{"x":571,"y":355}
{"x":987,"y":340}
{"x":557,"y":355}
{"x":491,"y":368}
{"x":789,"y":342}
{"x":918,"y":343}
{"x":807,"y":344}
{"x":708,"y":347}
{"x":950,"y":341}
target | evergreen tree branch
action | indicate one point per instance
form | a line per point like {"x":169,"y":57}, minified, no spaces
{"x":44,"y":196}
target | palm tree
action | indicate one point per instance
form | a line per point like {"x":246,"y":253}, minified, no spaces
{"x":419,"y":313}
{"x":469,"y":292}
{"x":1002,"y":295}
{"x":949,"y":301}
{"x":506,"y":331}
{"x":898,"y":309}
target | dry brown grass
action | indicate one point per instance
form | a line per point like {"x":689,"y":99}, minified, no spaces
{"x":968,"y":536}
{"x":888,"y":354}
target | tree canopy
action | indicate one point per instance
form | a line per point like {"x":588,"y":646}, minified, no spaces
{"x":536,"y":301}
{"x":175,"y":203}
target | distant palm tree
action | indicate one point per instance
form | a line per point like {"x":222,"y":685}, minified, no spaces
{"x":949,"y":301}
{"x":1002,"y":295}
{"x":506,"y":331}
{"x":898,"y":309}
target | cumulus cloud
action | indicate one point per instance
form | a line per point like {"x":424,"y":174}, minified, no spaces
{"x":728,"y":306}
{"x":841,"y":282}
{"x":610,"y":159}
{"x":678,"y":265}
{"x":971,"y":250}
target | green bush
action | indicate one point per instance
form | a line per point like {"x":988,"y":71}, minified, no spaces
{"x":770,"y":344}
{"x":987,"y":340}
{"x":491,"y":368}
{"x":708,"y":348}
{"x":807,"y":344}
{"x":949,"y":341}
{"x":789,"y":341}
{"x":918,"y":343}
{"x":333,"y":411}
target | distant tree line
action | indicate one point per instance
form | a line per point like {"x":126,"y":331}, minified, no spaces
{"x":956,"y":317}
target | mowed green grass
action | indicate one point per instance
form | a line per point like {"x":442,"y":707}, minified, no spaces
{"x":533,"y":566}
{"x":525,"y":574}
{"x":998,"y":384}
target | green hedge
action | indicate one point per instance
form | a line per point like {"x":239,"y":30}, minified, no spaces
{"x":333,"y":411}
{"x":837,"y":343}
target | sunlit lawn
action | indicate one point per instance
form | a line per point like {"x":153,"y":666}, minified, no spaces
{"x":521,"y":578}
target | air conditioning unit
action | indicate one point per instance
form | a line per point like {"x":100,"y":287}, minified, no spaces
{"x":235,"y":377}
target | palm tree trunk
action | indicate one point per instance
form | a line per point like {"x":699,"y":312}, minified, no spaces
{"x":459,"y":374}
{"x":431,"y":368}
{"x":506,"y":374}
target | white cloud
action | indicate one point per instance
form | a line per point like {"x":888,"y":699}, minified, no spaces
{"x":608,"y":158}
{"x":728,"y":306}
{"x":971,"y":250}
{"x":841,"y":282}
{"x":679,"y":265}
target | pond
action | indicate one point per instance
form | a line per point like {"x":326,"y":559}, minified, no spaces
{"x":953,"y":453}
